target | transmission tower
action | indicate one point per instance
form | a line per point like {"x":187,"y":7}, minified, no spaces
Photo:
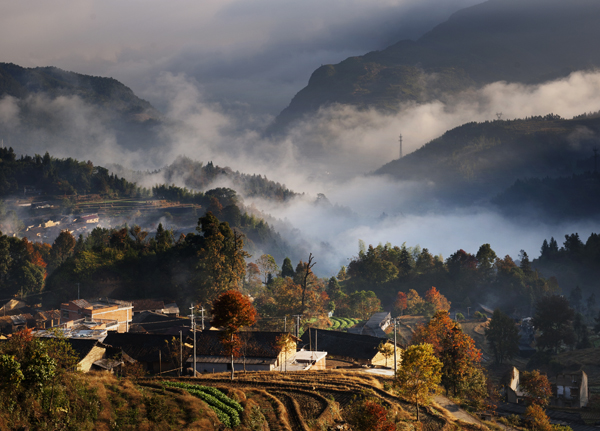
{"x":400,"y":140}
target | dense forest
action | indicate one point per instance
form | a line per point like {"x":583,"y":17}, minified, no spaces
{"x":196,"y":175}
{"x":464,"y":278}
{"x":559,"y":199}
{"x":52,"y":176}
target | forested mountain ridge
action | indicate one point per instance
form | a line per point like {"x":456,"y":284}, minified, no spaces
{"x":499,"y":40}
{"x":477,"y":161}
{"x":66,"y":109}
{"x":20,"y":82}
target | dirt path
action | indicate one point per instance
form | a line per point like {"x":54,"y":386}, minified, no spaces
{"x":455,"y":410}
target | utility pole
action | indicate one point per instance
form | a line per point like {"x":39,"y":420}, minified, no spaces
{"x":284,"y":323}
{"x":202,"y":318}
{"x":395,"y":358}
{"x":297,"y":325}
{"x":180,"y":353}
{"x":400,"y":139}
{"x":194,"y":331}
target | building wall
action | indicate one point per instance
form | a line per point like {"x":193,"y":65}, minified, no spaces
{"x":121,"y":315}
{"x":379,"y":359}
{"x":321,"y":364}
{"x":210,"y":367}
{"x":95,"y":354}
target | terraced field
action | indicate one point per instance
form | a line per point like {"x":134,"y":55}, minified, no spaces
{"x":308,"y":400}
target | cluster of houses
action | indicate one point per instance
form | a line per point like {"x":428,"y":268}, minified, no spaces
{"x":50,"y":229}
{"x":107,"y":334}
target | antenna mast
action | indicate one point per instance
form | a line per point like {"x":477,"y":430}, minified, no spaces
{"x":400,"y":140}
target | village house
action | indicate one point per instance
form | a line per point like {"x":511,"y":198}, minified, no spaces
{"x":571,"y":390}
{"x":360,"y":349}
{"x":140,"y":305}
{"x":99,"y":310}
{"x":377,"y":324}
{"x":261,"y":351}
{"x":94,"y":355}
{"x":156,"y":352}
{"x":159,"y":323}
{"x":47,"y":319}
{"x":12,"y":324}
{"x":514,"y":393}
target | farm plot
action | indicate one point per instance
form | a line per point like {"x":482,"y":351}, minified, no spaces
{"x":309,"y":400}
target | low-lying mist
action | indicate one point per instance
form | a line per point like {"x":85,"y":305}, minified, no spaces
{"x":332,"y":153}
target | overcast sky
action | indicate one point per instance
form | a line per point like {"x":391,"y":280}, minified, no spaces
{"x":255,"y":52}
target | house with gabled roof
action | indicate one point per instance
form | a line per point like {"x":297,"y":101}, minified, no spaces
{"x":361,"y":349}
{"x":99,"y":310}
{"x":261,"y":351}
{"x":159,"y":323}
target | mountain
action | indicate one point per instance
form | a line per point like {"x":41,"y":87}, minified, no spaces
{"x":477,"y":161}
{"x":50,"y":100}
{"x":526,"y":41}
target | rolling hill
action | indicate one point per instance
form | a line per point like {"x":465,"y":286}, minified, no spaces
{"x":478,"y":161}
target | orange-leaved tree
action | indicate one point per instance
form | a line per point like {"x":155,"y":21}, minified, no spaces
{"x":401,"y":302}
{"x":232,"y":311}
{"x":537,"y":388}
{"x":455,"y":349}
{"x":435,"y":298}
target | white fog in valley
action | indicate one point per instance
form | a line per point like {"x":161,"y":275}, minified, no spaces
{"x":221,"y":71}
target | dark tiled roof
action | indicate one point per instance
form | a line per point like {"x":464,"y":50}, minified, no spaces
{"x":343,"y":344}
{"x":141,"y":347}
{"x":258,"y":344}
{"x":158,"y":323}
{"x":81,"y":303}
{"x":147,"y":304}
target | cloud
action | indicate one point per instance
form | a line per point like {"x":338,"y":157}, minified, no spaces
{"x":259,"y":52}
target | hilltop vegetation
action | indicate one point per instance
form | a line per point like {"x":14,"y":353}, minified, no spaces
{"x":477,"y":161}
{"x":196,"y":175}
{"x":477,"y":45}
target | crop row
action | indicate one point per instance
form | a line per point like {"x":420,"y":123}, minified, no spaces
{"x":227,"y":410}
{"x":342,"y":322}
{"x":210,"y":390}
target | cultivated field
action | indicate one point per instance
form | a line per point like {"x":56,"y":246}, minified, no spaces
{"x":303,"y":401}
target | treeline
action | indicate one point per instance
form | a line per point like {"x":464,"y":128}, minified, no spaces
{"x":52,"y":176}
{"x":575,"y":264}
{"x":463,"y":278}
{"x":558,"y":199}
{"x":198,"y":176}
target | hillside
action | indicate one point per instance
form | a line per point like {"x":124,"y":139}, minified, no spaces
{"x":46,"y":98}
{"x":477,"y":161}
{"x":511,"y":40}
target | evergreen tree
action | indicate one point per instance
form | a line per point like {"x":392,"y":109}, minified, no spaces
{"x":287,"y":270}
{"x":503,"y":336}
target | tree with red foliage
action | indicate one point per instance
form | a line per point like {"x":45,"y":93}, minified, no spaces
{"x":369,"y":415}
{"x":455,"y":349}
{"x":231,"y":311}
{"x":435,"y":298}
{"x":401,"y":303}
